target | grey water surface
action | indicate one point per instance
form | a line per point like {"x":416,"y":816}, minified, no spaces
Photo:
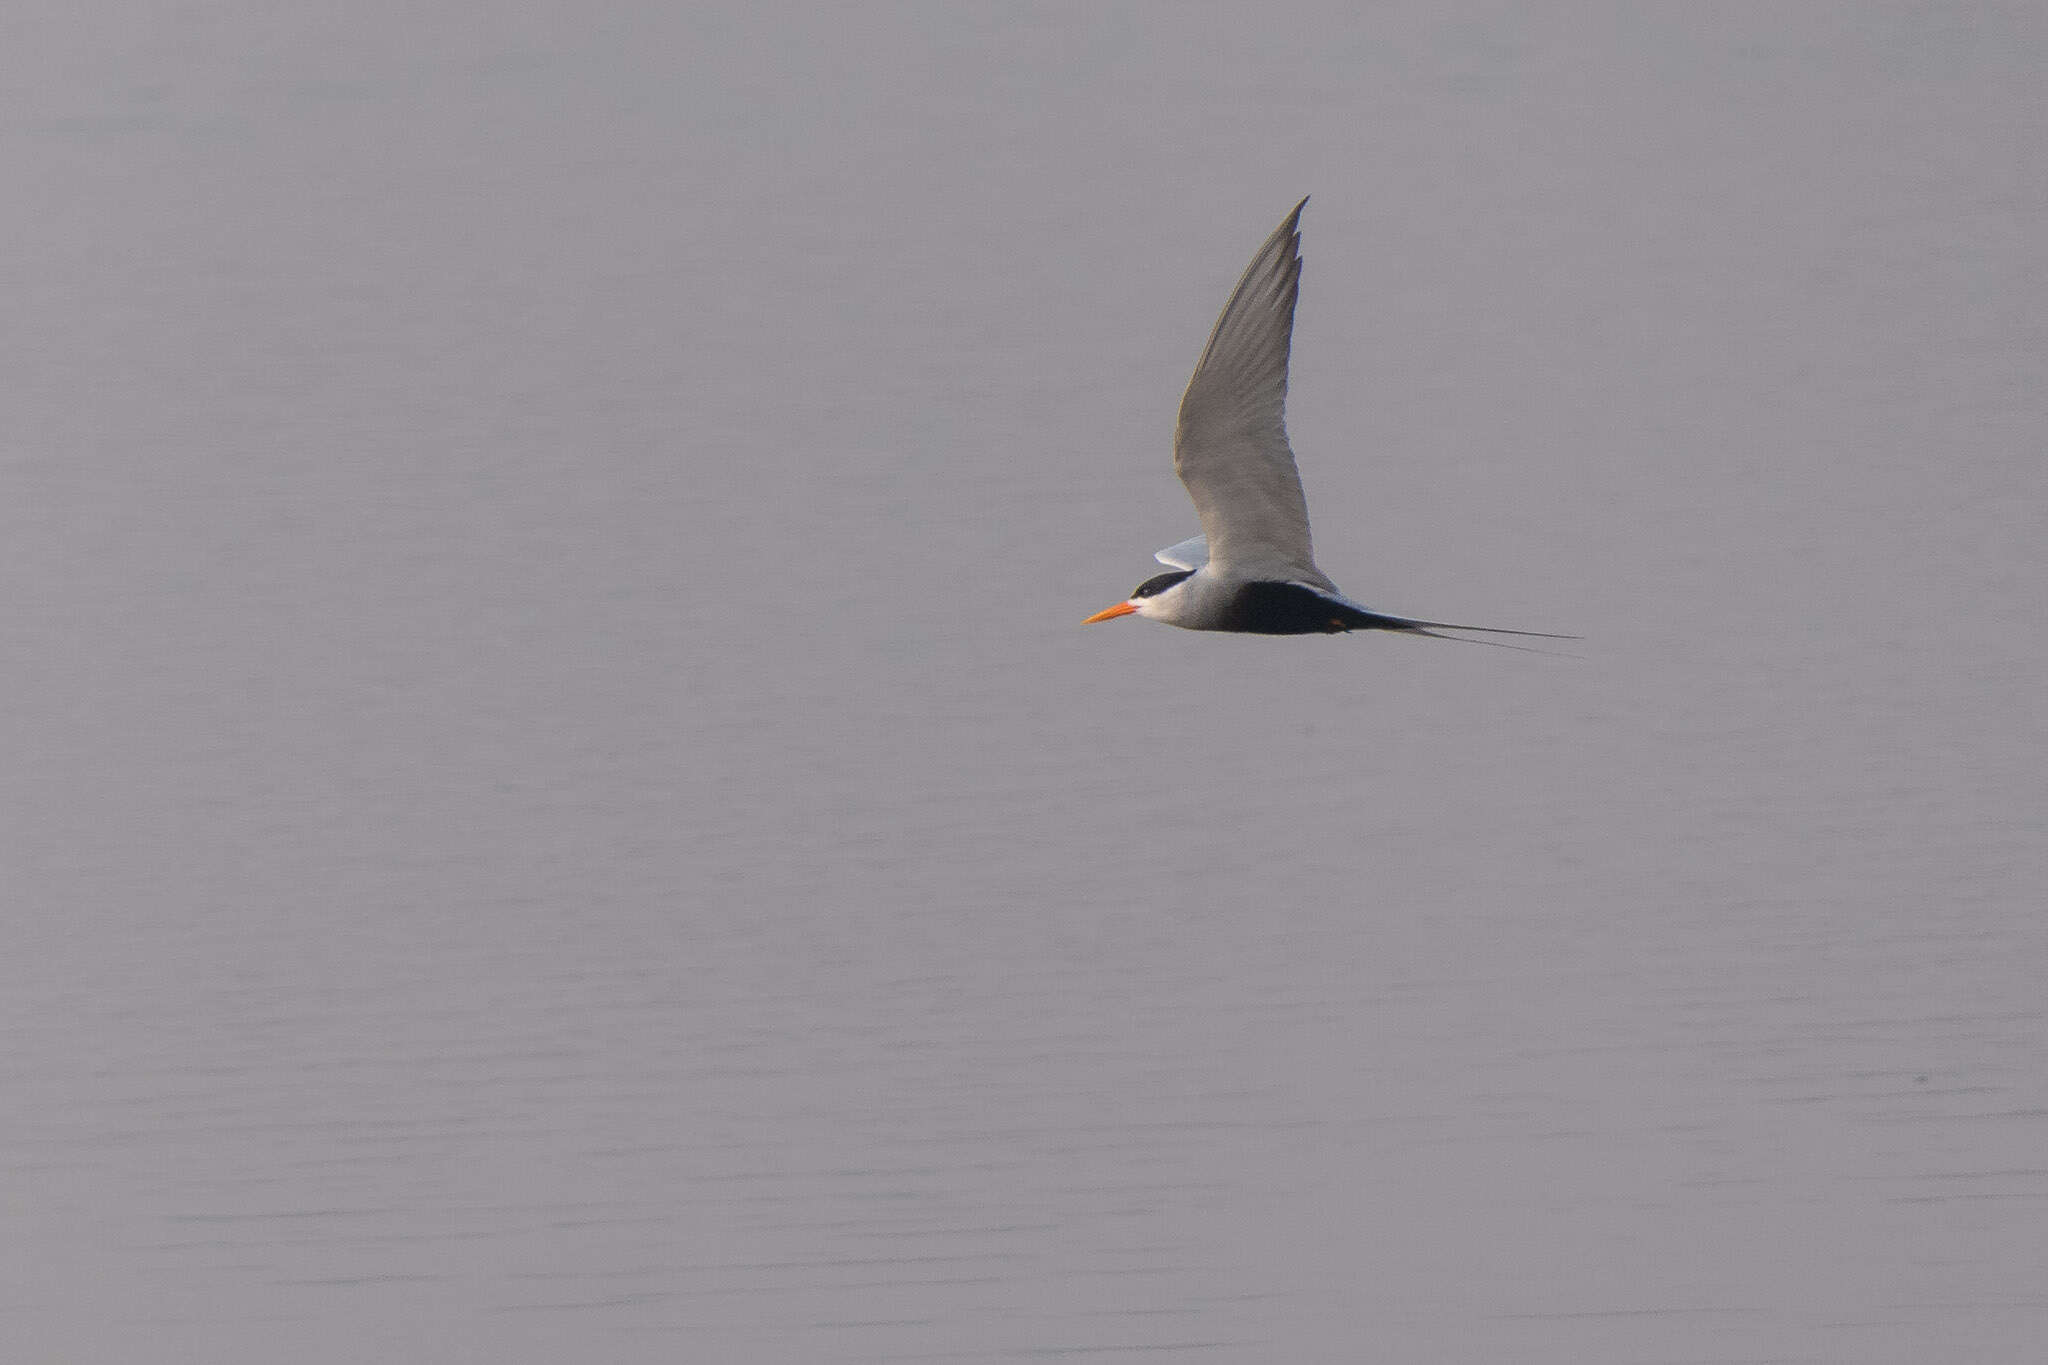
{"x":555,"y":805}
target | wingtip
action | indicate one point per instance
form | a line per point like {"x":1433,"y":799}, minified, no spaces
{"x":1293,"y":225}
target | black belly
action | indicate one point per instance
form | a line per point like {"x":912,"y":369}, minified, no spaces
{"x":1290,"y":609}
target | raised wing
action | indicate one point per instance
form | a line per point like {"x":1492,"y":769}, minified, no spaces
{"x":1230,"y":446}
{"x":1190,"y":554}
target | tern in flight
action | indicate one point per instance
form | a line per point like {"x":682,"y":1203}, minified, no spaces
{"x":1251,"y":568}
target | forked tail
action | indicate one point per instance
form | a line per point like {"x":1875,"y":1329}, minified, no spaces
{"x":1432,"y":629}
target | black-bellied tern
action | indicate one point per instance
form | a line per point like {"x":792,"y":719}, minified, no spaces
{"x":1251,"y":568}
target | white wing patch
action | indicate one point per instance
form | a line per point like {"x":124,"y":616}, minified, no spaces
{"x":1190,"y":554}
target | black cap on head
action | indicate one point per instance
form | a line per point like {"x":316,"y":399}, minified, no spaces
{"x":1152,"y":587}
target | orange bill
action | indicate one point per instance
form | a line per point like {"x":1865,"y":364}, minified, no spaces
{"x":1120,"y":609}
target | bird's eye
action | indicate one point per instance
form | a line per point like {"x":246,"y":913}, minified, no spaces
{"x":1152,"y":587}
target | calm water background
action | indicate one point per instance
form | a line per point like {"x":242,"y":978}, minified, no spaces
{"x":556,"y":807}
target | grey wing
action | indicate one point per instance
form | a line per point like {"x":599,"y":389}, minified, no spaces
{"x":1230,"y":446}
{"x":1190,"y":554}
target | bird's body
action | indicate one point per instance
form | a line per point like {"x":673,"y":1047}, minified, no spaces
{"x":1200,"y":600}
{"x":1252,"y":569}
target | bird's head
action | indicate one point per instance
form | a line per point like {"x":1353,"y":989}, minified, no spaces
{"x":1155,"y":597}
